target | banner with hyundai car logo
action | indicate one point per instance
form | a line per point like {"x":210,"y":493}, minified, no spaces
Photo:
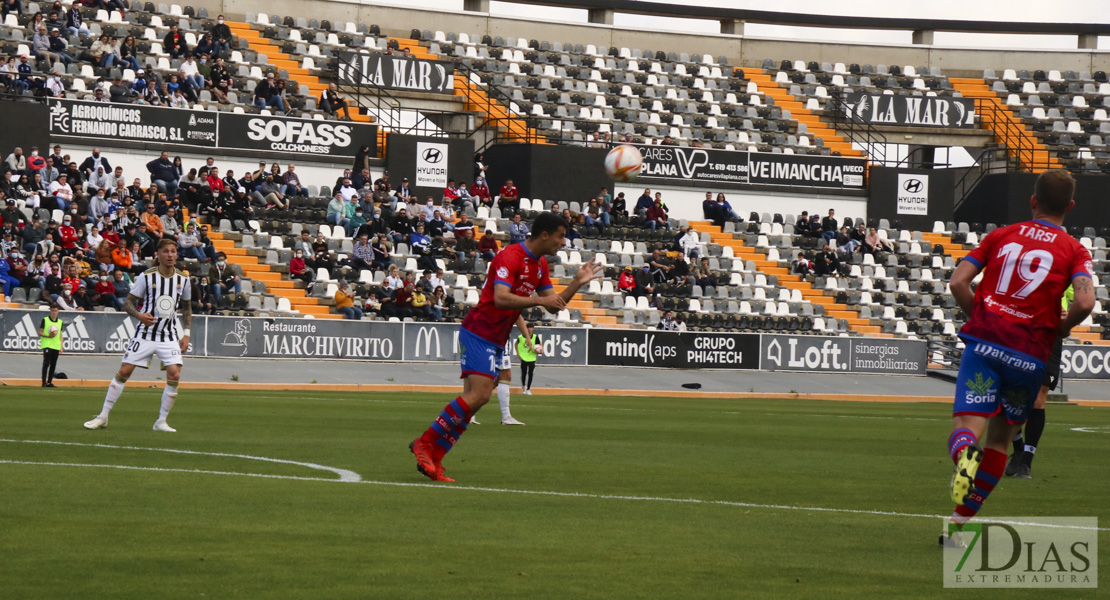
{"x":193,"y":128}
{"x":710,"y":165}
{"x":913,"y":194}
{"x":431,"y":164}
{"x":395,"y":72}
{"x":914,"y":111}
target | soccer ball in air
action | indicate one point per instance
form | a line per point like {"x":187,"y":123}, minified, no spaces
{"x":623,"y":163}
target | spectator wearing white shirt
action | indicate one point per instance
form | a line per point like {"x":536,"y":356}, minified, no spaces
{"x":99,"y":180}
{"x":347,"y":191}
{"x":115,"y":178}
{"x":60,"y":189}
{"x":690,"y":243}
{"x":178,"y":100}
{"x":55,"y":87}
{"x":437,"y":280}
{"x":192,"y":73}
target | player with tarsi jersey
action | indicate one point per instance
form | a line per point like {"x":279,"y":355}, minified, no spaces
{"x":1014,"y":321}
{"x":517,"y":279}
{"x":155,"y":299}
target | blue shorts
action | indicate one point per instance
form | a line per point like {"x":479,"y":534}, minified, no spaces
{"x":479,"y":356}
{"x":994,"y":380}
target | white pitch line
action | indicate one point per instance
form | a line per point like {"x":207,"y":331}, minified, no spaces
{"x":344,"y":474}
{"x":730,"y":503}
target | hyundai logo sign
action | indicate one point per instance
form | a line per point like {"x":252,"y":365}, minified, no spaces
{"x":432,"y":155}
{"x":912,"y":186}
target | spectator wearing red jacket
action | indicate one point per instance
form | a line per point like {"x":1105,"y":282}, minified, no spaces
{"x":488,"y":246}
{"x":657,"y":217}
{"x":451,"y":192}
{"x":216,"y":182}
{"x":106,"y":293}
{"x":479,"y":190}
{"x":627,"y":281}
{"x":509,"y":198}
{"x":35,"y":162}
{"x":69,"y":236}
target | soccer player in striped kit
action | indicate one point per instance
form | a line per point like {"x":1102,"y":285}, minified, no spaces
{"x":155,"y":299}
{"x":1014,"y":321}
{"x":517,"y":279}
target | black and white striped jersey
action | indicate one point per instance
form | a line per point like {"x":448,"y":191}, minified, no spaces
{"x":159,"y":296}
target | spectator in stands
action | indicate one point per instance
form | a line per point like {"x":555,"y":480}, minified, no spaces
{"x":802,"y":223}
{"x":596,"y":217}
{"x":129,"y":55}
{"x":874,"y":244}
{"x":660,"y":267}
{"x":191,"y":72}
{"x":266,"y":94}
{"x":269,"y":193}
{"x":174,"y":43}
{"x":151,"y":94}
{"x":100,"y":53}
{"x":726,"y":209}
{"x":690,"y":243}
{"x":403,"y":190}
{"x":292,"y":183}
{"x":221,"y":34}
{"x":362,"y":257}
{"x":171,"y":225}
{"x":710,"y":210}
{"x":626,"y":283}
{"x":220,"y":81}
{"x":801,"y":265}
{"x":331,"y":102}
{"x":480,"y":194}
{"x":65,"y":300}
{"x":59,"y":46}
{"x":643,"y":203}
{"x":829,"y":226}
{"x":282,"y":88}
{"x":481,"y":168}
{"x":205,"y":47}
{"x":298,"y":269}
{"x":9,"y":76}
{"x":382,"y":253}
{"x":105,"y":293}
{"x":402,"y":226}
{"x":667,"y":323}
{"x":18,"y":268}
{"x":164,"y":174}
{"x":204,"y":302}
{"x":62,"y":192}
{"x":224,"y":279}
{"x":345,"y":302}
{"x":488,"y":246}
{"x":55,"y":87}
{"x":421,"y":245}
{"x":518,"y":230}
{"x":657,"y":217}
{"x":845,"y":242}
{"x":826,"y":262}
{"x":190,"y":246}
{"x":509,"y":198}
{"x":7,"y":6}
{"x":40,"y":47}
{"x":466,"y":248}
{"x":118,"y":92}
{"x":859,"y":234}
{"x":178,"y":99}
{"x":337,"y":210}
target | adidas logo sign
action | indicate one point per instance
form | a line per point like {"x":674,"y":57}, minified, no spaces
{"x":119,"y":338}
{"x":25,"y":336}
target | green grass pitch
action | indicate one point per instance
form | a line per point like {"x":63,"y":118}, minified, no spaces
{"x":613,"y":530}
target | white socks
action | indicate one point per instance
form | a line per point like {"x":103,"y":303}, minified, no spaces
{"x":115,"y":389}
{"x":503,"y":399}
{"x":168,"y":396}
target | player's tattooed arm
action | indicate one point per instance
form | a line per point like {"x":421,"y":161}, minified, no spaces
{"x":1080,"y":306}
{"x":129,"y":308}
{"x":186,"y":308}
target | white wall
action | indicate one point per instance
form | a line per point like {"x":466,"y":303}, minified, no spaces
{"x":685,"y":202}
{"x":134,"y":164}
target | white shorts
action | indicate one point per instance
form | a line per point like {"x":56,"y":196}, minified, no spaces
{"x":138,"y":352}
{"x":506,"y":364}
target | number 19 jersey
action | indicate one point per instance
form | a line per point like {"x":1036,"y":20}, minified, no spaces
{"x":1026,"y":269}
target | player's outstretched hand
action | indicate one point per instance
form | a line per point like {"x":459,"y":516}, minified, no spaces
{"x":553,"y":303}
{"x":147,"y":319}
{"x":587,"y":272}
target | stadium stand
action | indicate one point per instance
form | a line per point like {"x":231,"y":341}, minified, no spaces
{"x":586,"y":93}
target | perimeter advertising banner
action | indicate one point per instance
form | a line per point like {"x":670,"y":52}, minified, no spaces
{"x":915,"y":111}
{"x":1085,"y":362}
{"x":395,"y":72}
{"x":270,"y":338}
{"x":131,"y":123}
{"x":710,"y":165}
{"x":193,"y":128}
{"x":842,"y":354}
{"x":651,"y":348}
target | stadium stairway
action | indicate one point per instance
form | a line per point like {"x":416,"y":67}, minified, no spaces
{"x":302,"y":76}
{"x":477,"y":100}
{"x":253,"y":268}
{"x":1004,"y":124}
{"x":814,"y":125}
{"x":5,"y":304}
{"x":790,"y":281}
